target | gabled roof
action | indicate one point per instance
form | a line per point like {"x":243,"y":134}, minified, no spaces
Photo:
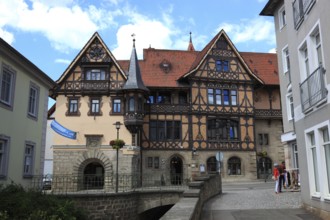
{"x":203,"y":54}
{"x":264,"y":65}
{"x":83,"y":50}
{"x":134,"y":81}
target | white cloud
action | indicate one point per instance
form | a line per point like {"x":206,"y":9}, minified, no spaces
{"x":273,"y":50}
{"x":64,"y":61}
{"x":148,"y":33}
{"x":7,"y":36}
{"x":257,"y":30}
{"x":65,"y":24}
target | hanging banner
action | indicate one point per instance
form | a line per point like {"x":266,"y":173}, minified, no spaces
{"x":62,"y":130}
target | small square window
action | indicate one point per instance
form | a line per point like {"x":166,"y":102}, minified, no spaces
{"x":116,"y":105}
{"x":222,"y":65}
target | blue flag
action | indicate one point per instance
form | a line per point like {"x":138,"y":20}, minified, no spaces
{"x":62,"y":130}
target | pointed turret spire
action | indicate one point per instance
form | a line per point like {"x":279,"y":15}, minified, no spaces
{"x":134,"y":75}
{"x":190,"y":46}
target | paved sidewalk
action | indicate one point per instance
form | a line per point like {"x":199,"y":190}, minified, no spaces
{"x":255,"y":201}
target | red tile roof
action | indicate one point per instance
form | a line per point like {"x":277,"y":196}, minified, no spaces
{"x":263,"y":65}
{"x":155,"y":76}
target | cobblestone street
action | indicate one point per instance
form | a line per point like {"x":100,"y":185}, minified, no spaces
{"x":255,"y":200}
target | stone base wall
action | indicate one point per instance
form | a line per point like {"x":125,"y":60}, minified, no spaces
{"x":70,"y":163}
{"x":191,"y":164}
{"x":123,"y":206}
{"x":68,"y":159}
{"x":99,"y":207}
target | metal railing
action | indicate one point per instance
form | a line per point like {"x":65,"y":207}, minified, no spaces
{"x":300,"y":8}
{"x":313,"y":89}
{"x":106,"y":183}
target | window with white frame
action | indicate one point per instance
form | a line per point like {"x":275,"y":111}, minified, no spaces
{"x":116,"y":105}
{"x":326,"y":146}
{"x":312,"y":87}
{"x":28,"y":160}
{"x":295,"y":155}
{"x":313,"y":159}
{"x":311,"y":53}
{"x":33,"y":101}
{"x":316,"y":41}
{"x":7,"y":82}
{"x":318,"y":160}
{"x":4,"y":149}
{"x":290,"y":106}
{"x":286,"y":60}
{"x":282,"y":17}
{"x":305,"y":60}
{"x":95,"y":106}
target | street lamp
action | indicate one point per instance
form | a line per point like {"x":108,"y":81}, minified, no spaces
{"x":117,"y":124}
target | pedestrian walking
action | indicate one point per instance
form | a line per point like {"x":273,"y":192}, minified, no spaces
{"x":281,"y":169}
{"x":276,"y":175}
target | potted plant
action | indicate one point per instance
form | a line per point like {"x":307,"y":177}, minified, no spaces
{"x":117,"y":143}
{"x":262,"y":153}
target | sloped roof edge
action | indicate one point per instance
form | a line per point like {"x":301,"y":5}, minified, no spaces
{"x":200,"y":59}
{"x":82,"y":51}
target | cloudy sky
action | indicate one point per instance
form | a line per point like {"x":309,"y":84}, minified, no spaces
{"x":51,"y":33}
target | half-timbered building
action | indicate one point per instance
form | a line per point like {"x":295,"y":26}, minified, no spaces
{"x":182,"y":113}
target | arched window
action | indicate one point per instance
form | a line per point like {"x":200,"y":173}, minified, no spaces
{"x":234,"y":166}
{"x":176,"y":170}
{"x":131,"y":106}
{"x":211,"y":164}
{"x":264,"y":167}
{"x":94,"y":176}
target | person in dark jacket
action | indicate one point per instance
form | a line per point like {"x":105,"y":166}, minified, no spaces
{"x":281,"y":170}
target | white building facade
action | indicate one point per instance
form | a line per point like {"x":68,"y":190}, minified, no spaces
{"x":303,"y":48}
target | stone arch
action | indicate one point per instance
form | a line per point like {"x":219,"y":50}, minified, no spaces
{"x":264,"y":165}
{"x":234,"y":165}
{"x":176,"y":169}
{"x":93,"y":156}
{"x":211,"y":164}
{"x":90,"y":156}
